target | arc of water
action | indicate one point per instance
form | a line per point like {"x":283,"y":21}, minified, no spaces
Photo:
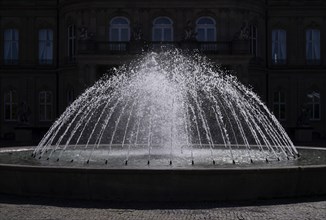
{"x":289,"y":144}
{"x":186,"y":121}
{"x":94,"y":128}
{"x":231,"y":108}
{"x":64,"y":117}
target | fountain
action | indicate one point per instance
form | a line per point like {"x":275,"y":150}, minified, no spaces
{"x":176,"y":126}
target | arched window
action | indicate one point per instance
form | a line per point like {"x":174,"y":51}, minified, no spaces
{"x":10,"y":106}
{"x":279,"y":105}
{"x":313,"y":46}
{"x":313,"y":105}
{"x":278,"y":46}
{"x":206,"y":29}
{"x":46,"y":46}
{"x":45,"y":105}
{"x":119,"y":32}
{"x":162,"y":29}
{"x":11,"y":46}
{"x":119,"y":29}
{"x":71,"y":42}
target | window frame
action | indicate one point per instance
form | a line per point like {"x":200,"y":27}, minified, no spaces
{"x":253,"y":38}
{"x":313,"y":43}
{"x":312,"y":102}
{"x":49,"y":34}
{"x":11,"y":59}
{"x":71,"y":42}
{"x":12,"y":103}
{"x":279,"y":103}
{"x":45,"y":105}
{"x":281,"y":34}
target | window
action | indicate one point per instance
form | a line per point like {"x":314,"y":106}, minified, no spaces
{"x":206,"y":29}
{"x":313,"y":105}
{"x":71,"y":43}
{"x":45,"y":102}
{"x":70,"y":96}
{"x":119,"y":32}
{"x":45,"y":46}
{"x":162,"y":29}
{"x":253,"y":40}
{"x":206,"y":33}
{"x":313,"y":46}
{"x":278,"y":46}
{"x":279,"y":105}
{"x":11,"y":106}
{"x":11,"y":46}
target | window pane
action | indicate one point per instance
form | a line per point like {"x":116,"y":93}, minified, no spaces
{"x":7,"y":97}
{"x":14,"y":112}
{"x":42,"y":97}
{"x":7,"y":112}
{"x":167,"y":34}
{"x":157,"y":34}
{"x":316,"y":111}
{"x":210,"y":35}
{"x":49,"y":112}
{"x":48,"y":97}
{"x":124,"y":34}
{"x":119,"y":21}
{"x":205,"y":21}
{"x":276,"y":111}
{"x":201,"y":34}
{"x":114,"y":34}
{"x":162,"y":21}
{"x":42,"y":112}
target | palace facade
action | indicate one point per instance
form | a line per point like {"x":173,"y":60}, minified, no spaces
{"x":51,"y":50}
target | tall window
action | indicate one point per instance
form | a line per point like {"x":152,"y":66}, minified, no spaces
{"x":10,"y":106}
{"x":71,"y":42}
{"x":279,"y":46}
{"x":279,"y":105}
{"x":253,"y":40}
{"x":162,"y":29}
{"x":45,"y":46}
{"x":11,"y":46}
{"x":119,"y":32}
{"x":313,"y":46}
{"x":313,"y":105}
{"x":45,"y":102}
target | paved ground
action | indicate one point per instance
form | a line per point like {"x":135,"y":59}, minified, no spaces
{"x":24,"y":208}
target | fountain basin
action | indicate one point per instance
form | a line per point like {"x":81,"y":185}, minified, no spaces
{"x":169,"y":183}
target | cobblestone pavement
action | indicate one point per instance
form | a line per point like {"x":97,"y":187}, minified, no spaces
{"x":24,"y":208}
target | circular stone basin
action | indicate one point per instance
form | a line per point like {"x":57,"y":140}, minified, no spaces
{"x":159,"y":181}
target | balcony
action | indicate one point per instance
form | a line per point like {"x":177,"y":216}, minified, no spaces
{"x":219,"y":47}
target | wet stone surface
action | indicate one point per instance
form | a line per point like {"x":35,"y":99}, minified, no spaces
{"x":13,"y":208}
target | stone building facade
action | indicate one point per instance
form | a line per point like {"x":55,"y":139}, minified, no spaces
{"x":51,"y":50}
